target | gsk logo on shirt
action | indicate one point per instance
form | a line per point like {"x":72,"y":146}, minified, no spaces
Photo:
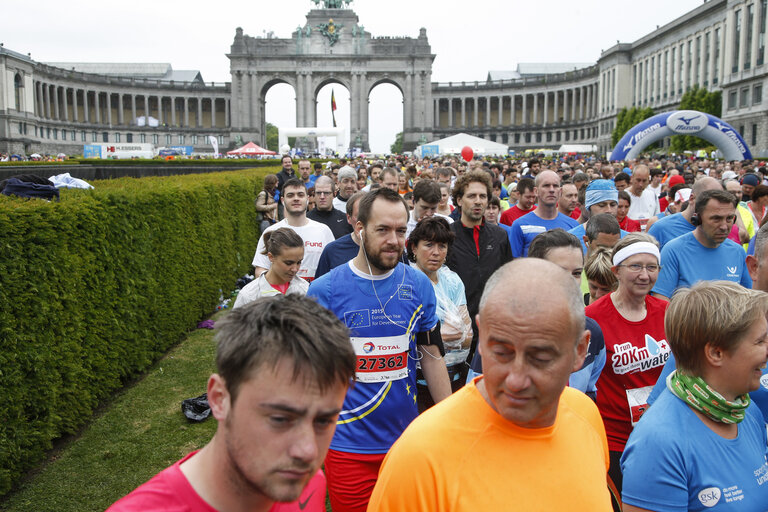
{"x":709,"y":496}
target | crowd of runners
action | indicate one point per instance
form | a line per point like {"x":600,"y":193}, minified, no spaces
{"x":502,"y":334}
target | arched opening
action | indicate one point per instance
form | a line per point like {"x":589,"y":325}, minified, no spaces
{"x":385,"y":117}
{"x":279,"y":112}
{"x":18,"y":86}
{"x":325,"y":116}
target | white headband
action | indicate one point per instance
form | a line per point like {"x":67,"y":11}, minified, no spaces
{"x":636,"y":248}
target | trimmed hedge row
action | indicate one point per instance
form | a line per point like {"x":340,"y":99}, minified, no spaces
{"x":96,"y":287}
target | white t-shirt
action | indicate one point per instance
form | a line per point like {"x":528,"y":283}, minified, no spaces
{"x":340,"y":205}
{"x":315,"y":235}
{"x":643,"y":207}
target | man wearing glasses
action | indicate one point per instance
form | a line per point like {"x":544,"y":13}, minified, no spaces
{"x":324,"y":212}
{"x":705,"y":253}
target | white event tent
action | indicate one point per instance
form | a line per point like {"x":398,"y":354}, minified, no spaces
{"x":454,"y":144}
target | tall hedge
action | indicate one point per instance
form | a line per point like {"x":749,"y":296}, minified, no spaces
{"x":96,"y":287}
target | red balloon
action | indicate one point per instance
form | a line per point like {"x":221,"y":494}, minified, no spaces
{"x":467,"y":153}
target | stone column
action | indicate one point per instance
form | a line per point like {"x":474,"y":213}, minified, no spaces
{"x":556,"y":115}
{"x":525,"y":109}
{"x":200,"y":111}
{"x":546,"y":108}
{"x":573,"y":105}
{"x":501,"y":111}
{"x":86,"y":114}
{"x":476,"y":112}
{"x":186,"y":111}
{"x":120,"y":112}
{"x":46,"y":102}
{"x":513,"y":110}
{"x":450,"y":112}
{"x":146,"y":109}
{"x":566,"y":109}
{"x":74,"y":105}
{"x":97,"y":97}
{"x":227,"y":118}
{"x":581,"y":103}
{"x":301,"y":101}
{"x":535,"y":108}
{"x":408,"y":100}
{"x":463,"y":112}
{"x":487,"y":111}
{"x":173,"y":110}
{"x":354,"y":108}
{"x":64,"y":101}
{"x":364,"y":128}
{"x":133,"y":108}
{"x":56,"y":109}
{"x":256,"y":105}
{"x":160,"y":116}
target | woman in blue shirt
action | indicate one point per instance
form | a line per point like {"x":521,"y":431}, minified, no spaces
{"x":702,"y":446}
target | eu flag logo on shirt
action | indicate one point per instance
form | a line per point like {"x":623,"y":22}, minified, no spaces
{"x":358,"y":318}
{"x":405,"y":292}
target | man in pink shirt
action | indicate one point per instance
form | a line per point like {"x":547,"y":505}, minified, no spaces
{"x":284,"y":366}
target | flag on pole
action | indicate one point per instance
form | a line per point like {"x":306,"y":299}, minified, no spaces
{"x":333,"y":108}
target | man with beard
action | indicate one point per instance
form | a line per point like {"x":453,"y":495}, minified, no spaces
{"x":543,"y":218}
{"x":324,"y":212}
{"x":390,"y":310}
{"x":479,"y":248}
{"x":315,"y":235}
{"x":283,"y":367}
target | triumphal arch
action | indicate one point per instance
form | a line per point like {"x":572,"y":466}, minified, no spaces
{"x":331,"y":47}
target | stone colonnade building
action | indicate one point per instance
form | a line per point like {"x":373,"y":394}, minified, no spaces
{"x":719,"y":45}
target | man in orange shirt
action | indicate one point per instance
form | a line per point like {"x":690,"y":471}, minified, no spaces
{"x":516,"y":437}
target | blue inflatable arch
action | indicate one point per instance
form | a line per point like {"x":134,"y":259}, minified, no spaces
{"x":682,"y":122}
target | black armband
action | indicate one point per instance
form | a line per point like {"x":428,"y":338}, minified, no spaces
{"x":432,"y":337}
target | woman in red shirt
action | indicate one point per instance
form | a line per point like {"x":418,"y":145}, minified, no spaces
{"x":625,"y":222}
{"x":636,"y":348}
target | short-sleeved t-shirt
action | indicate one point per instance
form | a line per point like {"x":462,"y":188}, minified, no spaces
{"x":635,"y":354}
{"x":315,"y":235}
{"x":643,"y":207}
{"x":670,"y":227}
{"x":527,"y":227}
{"x":170,"y":490}
{"x":684,"y":262}
{"x":674,"y":462}
{"x":511,"y":214}
{"x":383,"y":316}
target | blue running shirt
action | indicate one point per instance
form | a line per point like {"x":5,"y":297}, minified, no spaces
{"x":382,"y":325}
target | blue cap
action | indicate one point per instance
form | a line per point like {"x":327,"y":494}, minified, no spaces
{"x":599,"y":191}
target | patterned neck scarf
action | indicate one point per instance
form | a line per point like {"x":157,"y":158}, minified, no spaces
{"x":701,"y":397}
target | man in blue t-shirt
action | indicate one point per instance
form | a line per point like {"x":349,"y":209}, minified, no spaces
{"x":543,"y":218}
{"x":705,"y":253}
{"x":670,"y":227}
{"x":390,"y":310}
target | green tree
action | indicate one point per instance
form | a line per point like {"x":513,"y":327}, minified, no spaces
{"x":272,"y":138}
{"x":397,"y":146}
{"x":702,"y":100}
{"x":628,"y":118}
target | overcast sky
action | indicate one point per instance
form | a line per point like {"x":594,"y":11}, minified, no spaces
{"x":469,"y":38}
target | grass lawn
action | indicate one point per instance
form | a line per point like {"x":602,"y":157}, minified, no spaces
{"x":138,"y":433}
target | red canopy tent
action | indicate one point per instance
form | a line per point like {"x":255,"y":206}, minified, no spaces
{"x":251,"y":149}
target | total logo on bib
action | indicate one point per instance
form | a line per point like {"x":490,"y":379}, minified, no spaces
{"x":709,"y":496}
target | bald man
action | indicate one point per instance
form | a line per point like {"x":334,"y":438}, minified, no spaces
{"x":522,"y":430}
{"x":644,"y":203}
{"x":543,"y":218}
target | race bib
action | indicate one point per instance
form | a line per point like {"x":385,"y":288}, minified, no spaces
{"x":381,"y":359}
{"x":638,"y":402}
